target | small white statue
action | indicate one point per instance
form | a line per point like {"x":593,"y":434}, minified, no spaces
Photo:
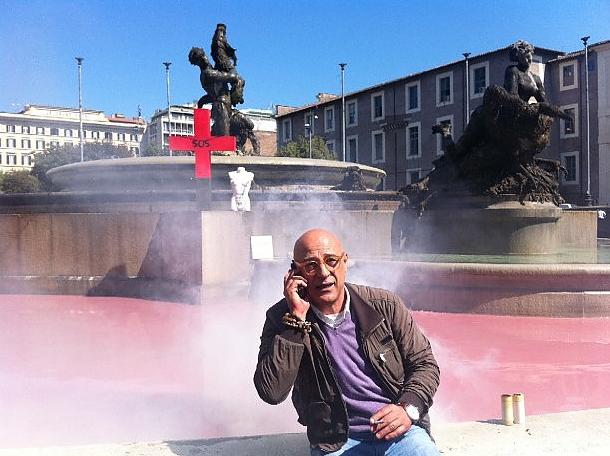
{"x":240,"y":184}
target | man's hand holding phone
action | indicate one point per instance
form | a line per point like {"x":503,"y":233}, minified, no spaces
{"x":295,"y":292}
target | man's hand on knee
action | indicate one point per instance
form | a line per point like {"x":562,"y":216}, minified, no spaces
{"x":390,"y":422}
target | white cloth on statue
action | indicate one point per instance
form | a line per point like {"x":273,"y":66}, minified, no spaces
{"x":240,"y":184}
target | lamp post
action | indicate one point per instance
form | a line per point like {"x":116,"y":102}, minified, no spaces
{"x":308,"y":126}
{"x":588,"y":198}
{"x":169,"y":115}
{"x":343,"y":65}
{"x":79,"y":62}
{"x":467,"y":89}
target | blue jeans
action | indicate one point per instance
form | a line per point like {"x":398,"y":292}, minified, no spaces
{"x":416,"y":442}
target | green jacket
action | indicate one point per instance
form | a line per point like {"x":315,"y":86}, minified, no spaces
{"x":290,"y":359}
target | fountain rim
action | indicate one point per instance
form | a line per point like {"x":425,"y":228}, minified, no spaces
{"x":234,"y":160}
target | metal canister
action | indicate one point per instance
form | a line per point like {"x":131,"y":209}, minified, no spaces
{"x":507,"y":409}
{"x":518,"y":408}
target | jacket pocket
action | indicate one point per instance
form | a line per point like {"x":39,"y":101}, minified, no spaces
{"x":389,"y":362}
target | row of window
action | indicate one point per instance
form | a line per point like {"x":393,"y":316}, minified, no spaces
{"x":414,"y":150}
{"x":11,"y":160}
{"x":11,"y":143}
{"x":568,"y":128}
{"x":444,"y":96}
{"x":69,"y":133}
{"x":179,"y":128}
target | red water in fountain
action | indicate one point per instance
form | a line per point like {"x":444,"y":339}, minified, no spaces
{"x":77,"y":370}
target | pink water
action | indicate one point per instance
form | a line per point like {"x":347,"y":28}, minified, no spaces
{"x":77,"y":370}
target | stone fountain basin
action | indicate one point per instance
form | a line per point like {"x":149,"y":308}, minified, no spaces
{"x":177,"y":173}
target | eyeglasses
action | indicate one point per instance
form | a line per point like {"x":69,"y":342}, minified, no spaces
{"x":312,"y":267}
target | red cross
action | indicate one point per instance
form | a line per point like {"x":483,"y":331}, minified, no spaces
{"x":203,"y":143}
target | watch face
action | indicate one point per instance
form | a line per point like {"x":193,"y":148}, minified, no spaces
{"x":412,"y":412}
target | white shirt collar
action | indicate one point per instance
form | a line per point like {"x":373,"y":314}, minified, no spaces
{"x":334,"y":320}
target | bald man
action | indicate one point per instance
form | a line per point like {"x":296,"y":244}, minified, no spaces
{"x":361,"y":372}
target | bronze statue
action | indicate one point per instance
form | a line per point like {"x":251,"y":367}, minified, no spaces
{"x":224,"y":89}
{"x":496,"y":155}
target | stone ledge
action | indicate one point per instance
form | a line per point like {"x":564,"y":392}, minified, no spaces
{"x":574,"y":433}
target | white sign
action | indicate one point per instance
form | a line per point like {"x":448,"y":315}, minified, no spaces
{"x":262,"y":247}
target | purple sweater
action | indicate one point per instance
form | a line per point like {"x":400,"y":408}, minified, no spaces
{"x":358,"y":381}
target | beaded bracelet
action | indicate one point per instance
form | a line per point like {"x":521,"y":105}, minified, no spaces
{"x":292,"y":321}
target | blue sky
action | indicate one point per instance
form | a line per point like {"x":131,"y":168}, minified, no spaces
{"x":288,"y":50}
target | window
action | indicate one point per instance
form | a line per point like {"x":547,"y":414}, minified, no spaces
{"x":352,"y":148}
{"x":95,"y":134}
{"x":287,"y":129}
{"x":413,"y":140}
{"x":444,"y":89}
{"x":40,"y":130}
{"x":68,"y":133}
{"x":568,"y":76}
{"x":121,"y":136}
{"x":330,"y":145}
{"x":26,"y":144}
{"x":413,"y":175}
{"x":479,"y":79}
{"x":412,"y":91}
{"x":446,"y":120}
{"x":108,"y":135}
{"x":26,"y":160}
{"x":329,"y":119}
{"x":10,"y":128}
{"x":39,"y":144}
{"x":352,"y":113}
{"x":377,"y":106}
{"x":134,"y":137}
{"x":54,"y":143}
{"x":570,"y":161}
{"x":25,"y":129}
{"x":134,"y":150}
{"x":569,"y":128}
{"x":11,"y":142}
{"x":54,"y":131}
{"x":11,"y":159}
{"x":378,"y":140}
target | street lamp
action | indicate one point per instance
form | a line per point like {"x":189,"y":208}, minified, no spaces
{"x":309,"y":134}
{"x":588,"y":199}
{"x":79,"y":62}
{"x":169,"y":115}
{"x":467,"y":89}
{"x":343,"y":65}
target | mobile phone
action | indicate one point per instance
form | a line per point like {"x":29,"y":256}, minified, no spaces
{"x":301,"y":290}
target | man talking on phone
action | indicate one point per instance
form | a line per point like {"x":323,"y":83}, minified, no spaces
{"x":361,"y":372}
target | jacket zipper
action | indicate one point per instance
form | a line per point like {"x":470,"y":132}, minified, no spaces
{"x":332,"y":372}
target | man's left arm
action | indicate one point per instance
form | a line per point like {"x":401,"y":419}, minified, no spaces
{"x":422,"y":374}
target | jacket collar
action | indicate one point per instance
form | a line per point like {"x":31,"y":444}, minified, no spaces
{"x":368,"y":318}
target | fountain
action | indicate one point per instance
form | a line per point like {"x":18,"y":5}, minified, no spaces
{"x":126,"y":228}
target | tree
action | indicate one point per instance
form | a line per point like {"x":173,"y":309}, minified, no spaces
{"x":19,"y":182}
{"x":300,"y":148}
{"x":56,"y":156}
{"x":153,"y":150}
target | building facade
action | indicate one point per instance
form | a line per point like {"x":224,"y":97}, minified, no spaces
{"x":38,"y":127}
{"x":159,"y":128}
{"x":390,"y":125}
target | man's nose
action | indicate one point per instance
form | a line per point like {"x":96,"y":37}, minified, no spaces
{"x":323,"y":270}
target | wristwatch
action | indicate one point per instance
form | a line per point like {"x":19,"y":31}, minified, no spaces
{"x":412,"y":412}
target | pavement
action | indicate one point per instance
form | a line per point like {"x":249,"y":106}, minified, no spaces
{"x":584,"y":432}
